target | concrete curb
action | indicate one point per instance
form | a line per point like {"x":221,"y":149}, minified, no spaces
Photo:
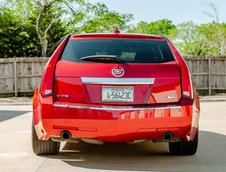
{"x":16,"y":104}
{"x":213,"y":100}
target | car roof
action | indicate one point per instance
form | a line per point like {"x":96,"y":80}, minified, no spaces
{"x":118,"y":35}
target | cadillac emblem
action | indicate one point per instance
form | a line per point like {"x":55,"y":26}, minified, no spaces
{"x":118,"y":72}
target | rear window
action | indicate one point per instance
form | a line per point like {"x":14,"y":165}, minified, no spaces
{"x":129,"y":51}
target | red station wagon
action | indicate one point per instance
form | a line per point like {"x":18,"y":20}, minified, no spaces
{"x":115,"y":87}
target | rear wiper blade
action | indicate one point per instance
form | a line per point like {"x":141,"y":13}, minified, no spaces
{"x":101,"y":58}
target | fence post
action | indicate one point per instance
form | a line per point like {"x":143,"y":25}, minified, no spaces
{"x":15,"y":78}
{"x":210,"y":75}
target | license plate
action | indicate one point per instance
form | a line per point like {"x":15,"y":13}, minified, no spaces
{"x":117,"y":94}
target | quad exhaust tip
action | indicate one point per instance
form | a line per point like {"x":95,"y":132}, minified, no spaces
{"x":167,"y":136}
{"x":66,"y":135}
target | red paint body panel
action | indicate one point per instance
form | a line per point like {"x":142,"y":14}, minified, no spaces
{"x":78,"y":108}
{"x":166,"y":83}
{"x":114,"y":125}
{"x":121,"y":35}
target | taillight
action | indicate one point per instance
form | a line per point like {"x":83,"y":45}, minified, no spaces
{"x":47,"y":79}
{"x":186,"y":82}
{"x":46,"y":87}
{"x":187,"y":90}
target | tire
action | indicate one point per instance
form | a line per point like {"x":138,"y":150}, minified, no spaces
{"x":183,"y":147}
{"x":43,"y":147}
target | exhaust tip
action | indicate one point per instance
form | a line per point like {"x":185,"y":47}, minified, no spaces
{"x":65,"y":135}
{"x":167,"y":136}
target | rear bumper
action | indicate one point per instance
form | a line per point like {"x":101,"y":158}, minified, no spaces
{"x":111,"y":123}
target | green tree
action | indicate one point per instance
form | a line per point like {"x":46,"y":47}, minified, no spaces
{"x":85,"y":17}
{"x":98,"y":18}
{"x":49,"y":13}
{"x":18,"y":33}
{"x":14,"y":37}
{"x":198,"y":40}
{"x":220,"y":33}
{"x":44,"y":22}
{"x":190,"y":39}
{"x":158,"y":27}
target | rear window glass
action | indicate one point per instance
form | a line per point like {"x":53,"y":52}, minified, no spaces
{"x":129,"y":51}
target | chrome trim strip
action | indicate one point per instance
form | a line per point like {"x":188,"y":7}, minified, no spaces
{"x":117,"y":81}
{"x":114,"y":109}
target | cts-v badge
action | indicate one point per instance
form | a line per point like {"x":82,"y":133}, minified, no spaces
{"x":118,"y":72}
{"x":172,"y":97}
{"x":62,"y":95}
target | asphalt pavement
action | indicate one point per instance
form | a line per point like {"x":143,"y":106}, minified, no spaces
{"x":16,"y":153}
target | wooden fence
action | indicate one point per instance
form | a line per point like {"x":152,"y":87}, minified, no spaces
{"x":19,"y":76}
{"x":208,"y":73}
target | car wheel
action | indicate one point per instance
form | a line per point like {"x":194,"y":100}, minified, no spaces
{"x":184,"y":147}
{"x":43,"y":147}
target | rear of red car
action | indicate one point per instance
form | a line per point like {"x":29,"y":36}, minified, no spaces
{"x":116,"y":88}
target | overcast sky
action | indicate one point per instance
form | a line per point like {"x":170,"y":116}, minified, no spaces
{"x":176,"y":10}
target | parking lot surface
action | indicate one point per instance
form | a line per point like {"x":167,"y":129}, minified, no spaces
{"x":16,"y":154}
